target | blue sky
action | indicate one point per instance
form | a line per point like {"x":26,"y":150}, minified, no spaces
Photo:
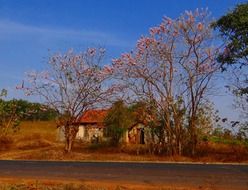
{"x":28,"y":28}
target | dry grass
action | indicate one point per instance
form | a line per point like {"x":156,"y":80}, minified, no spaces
{"x":40,"y":129}
{"x":5,"y":143}
{"x":210,"y":152}
{"x":37,"y":141}
{"x":33,"y":138}
{"x":29,"y":184}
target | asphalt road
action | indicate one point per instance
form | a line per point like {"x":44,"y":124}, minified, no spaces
{"x":188,"y":175}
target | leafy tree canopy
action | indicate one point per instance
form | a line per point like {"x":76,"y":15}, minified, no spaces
{"x":234,"y":29}
{"x":119,"y":118}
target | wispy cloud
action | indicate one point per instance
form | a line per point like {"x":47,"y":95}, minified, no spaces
{"x":10,"y":30}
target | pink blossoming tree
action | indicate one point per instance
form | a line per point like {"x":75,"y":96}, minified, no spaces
{"x":173,"y":67}
{"x":72,"y":84}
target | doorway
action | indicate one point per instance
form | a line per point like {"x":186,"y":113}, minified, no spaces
{"x":142,"y":136}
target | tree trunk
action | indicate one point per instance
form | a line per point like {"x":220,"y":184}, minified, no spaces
{"x":178,"y":145}
{"x":169,"y":134}
{"x":70,"y":135}
{"x":179,"y":148}
{"x":69,"y":146}
{"x":66,"y":145}
{"x":193,"y":135}
{"x":177,"y":133}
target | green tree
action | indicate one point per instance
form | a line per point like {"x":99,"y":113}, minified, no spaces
{"x":10,"y":115}
{"x":118,"y":120}
{"x":35,"y":111}
{"x":233,"y":27}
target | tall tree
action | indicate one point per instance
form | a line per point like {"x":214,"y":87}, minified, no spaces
{"x":172,"y":67}
{"x":233,"y":27}
{"x":72,"y":84}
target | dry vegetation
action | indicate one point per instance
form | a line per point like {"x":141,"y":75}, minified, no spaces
{"x":14,"y":184}
{"x":38,"y":141}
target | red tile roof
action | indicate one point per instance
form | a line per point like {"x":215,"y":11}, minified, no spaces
{"x":93,"y":116}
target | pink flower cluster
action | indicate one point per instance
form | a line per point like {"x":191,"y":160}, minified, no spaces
{"x":155,"y":30}
{"x":128,"y":58}
{"x":117,"y":62}
{"x":144,"y":43}
{"x":161,"y":29}
{"x":107,"y":70}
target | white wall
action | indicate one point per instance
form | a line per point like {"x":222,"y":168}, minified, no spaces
{"x":81,"y":132}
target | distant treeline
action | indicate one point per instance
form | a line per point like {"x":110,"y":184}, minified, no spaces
{"x":28,"y":111}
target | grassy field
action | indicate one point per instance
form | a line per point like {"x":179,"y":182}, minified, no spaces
{"x":39,"y":141}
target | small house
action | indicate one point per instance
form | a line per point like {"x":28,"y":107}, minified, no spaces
{"x":92,"y":129}
{"x":91,"y":126}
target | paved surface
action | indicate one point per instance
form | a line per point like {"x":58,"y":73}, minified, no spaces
{"x":188,"y":175}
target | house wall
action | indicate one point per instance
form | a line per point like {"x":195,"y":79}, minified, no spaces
{"x":93,"y":133}
{"x":138,"y":134}
{"x":90,"y":133}
{"x":60,"y":134}
{"x":81,"y":132}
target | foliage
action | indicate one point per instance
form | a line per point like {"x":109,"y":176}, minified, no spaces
{"x":230,"y":132}
{"x":118,"y":119}
{"x":35,"y":111}
{"x":9,"y":118}
{"x":145,"y":112}
{"x":242,"y":133}
{"x":12,"y":112}
{"x":233,"y":27}
{"x":207,"y":119}
{"x":10,"y":115}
